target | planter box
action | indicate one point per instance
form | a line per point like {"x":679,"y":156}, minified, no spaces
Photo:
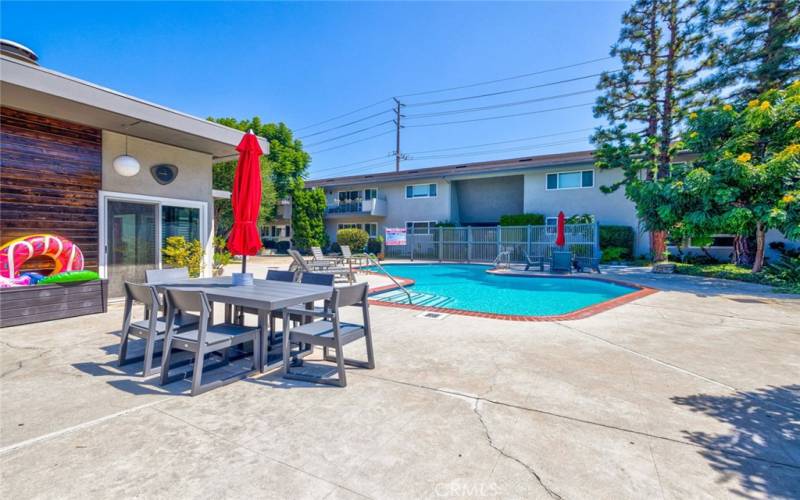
{"x":31,"y":304}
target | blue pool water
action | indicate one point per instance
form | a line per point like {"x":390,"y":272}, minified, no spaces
{"x":469,"y":287}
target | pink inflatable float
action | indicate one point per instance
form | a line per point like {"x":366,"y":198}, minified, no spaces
{"x":66,"y":255}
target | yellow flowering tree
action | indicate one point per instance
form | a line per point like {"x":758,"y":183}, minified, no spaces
{"x":746,"y":177}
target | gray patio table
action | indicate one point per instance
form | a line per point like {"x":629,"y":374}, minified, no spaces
{"x":266,"y":296}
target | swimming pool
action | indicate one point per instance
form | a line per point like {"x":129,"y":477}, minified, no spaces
{"x":468,"y":287}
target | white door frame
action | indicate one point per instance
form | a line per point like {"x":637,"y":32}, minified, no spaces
{"x":159,"y":201}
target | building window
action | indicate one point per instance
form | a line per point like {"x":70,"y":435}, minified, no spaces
{"x":370,"y":194}
{"x":421,"y":191}
{"x":347,"y":197}
{"x":288,"y":231}
{"x":570,"y":180}
{"x":275,"y":231}
{"x":420,"y":227}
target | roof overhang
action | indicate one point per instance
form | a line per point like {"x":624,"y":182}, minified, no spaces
{"x":463,"y":171}
{"x":43,"y":91}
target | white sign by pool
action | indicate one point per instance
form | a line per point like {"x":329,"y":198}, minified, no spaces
{"x":395,"y":236}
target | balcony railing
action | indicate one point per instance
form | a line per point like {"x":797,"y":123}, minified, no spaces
{"x":375,"y":206}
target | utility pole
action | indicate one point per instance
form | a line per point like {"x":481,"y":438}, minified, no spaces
{"x":397,"y":155}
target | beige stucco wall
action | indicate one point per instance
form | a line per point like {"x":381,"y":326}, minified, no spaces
{"x":399,"y":209}
{"x":609,"y":209}
{"x":193,"y":181}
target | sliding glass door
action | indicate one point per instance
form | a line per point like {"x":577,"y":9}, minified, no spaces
{"x":131,"y":244}
{"x":136,"y":230}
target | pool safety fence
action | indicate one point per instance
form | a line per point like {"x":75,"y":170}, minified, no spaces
{"x":485,"y":244}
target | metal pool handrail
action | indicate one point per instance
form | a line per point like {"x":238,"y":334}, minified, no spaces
{"x":375,"y":262}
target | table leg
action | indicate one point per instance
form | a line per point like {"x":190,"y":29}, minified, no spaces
{"x":263,"y":339}
{"x":228,"y":314}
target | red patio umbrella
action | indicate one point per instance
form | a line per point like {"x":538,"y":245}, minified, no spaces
{"x":560,"y":238}
{"x":244,"y":239}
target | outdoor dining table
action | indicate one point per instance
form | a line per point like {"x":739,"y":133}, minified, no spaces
{"x":264,"y":295}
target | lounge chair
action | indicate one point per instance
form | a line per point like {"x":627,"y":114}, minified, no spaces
{"x":561,"y":262}
{"x":205,"y":338}
{"x":152,"y":328}
{"x":587,"y":264}
{"x":330,"y":332}
{"x":320,"y":260}
{"x":308,"y":267}
{"x":533,"y":261}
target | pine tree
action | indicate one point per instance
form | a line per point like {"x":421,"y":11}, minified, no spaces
{"x":660,"y":46}
{"x":756,"y":47}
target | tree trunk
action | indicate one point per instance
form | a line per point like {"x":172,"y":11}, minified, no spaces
{"x":658,"y":245}
{"x":742,"y":252}
{"x":761,"y":236}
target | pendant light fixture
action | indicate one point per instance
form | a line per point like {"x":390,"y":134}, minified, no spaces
{"x":126,"y":165}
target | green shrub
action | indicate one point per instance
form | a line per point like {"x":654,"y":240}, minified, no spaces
{"x":269,"y":244}
{"x":612,"y":254}
{"x":785,"y":273}
{"x":617,"y":236}
{"x":375,"y":245}
{"x":580,"y":219}
{"x":180,"y":253}
{"x":222,"y":257}
{"x":522,"y":220}
{"x":283,"y":247}
{"x":353,"y":237}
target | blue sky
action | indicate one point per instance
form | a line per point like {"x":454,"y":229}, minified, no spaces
{"x":302,"y":63}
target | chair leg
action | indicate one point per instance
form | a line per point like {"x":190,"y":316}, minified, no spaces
{"x":197,"y":373}
{"x":149,"y":353}
{"x":123,"y":345}
{"x":286,"y":344}
{"x":166,"y":354}
{"x":340,"y":366}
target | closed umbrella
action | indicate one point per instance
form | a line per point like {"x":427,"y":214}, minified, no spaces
{"x":244,"y":238}
{"x":560,"y":237}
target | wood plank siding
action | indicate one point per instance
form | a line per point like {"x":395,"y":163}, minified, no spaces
{"x":50,"y":173}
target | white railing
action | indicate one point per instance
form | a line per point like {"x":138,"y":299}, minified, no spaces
{"x":485,"y":244}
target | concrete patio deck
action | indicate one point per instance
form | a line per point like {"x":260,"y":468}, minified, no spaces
{"x":688,"y":393}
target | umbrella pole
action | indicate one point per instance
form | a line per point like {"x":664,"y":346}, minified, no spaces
{"x":244,"y":264}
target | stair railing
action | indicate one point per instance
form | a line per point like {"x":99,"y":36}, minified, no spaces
{"x":377,"y":264}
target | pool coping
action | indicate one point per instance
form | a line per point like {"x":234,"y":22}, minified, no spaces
{"x":584,"y":312}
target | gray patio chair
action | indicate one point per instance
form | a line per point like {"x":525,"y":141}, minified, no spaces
{"x":561,"y":262}
{"x":306,"y":267}
{"x":163,"y":275}
{"x":587,"y":264}
{"x":331,"y":332}
{"x":320,"y":260}
{"x":533,"y":261}
{"x":152,"y":328}
{"x":204,"y":339}
{"x":322,"y":279}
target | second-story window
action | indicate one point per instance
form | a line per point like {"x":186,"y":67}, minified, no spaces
{"x":370,"y":194}
{"x":421,"y":191}
{"x":346,"y":197}
{"x":570,"y":180}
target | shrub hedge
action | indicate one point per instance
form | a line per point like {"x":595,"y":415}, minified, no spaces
{"x":283,"y":247}
{"x":522,"y":220}
{"x":355,"y":238}
{"x":617,"y":236}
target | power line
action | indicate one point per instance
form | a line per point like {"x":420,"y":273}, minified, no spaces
{"x":488,"y":82}
{"x":500,"y":150}
{"x":345,"y":124}
{"x":384,"y":164}
{"x":501,"y":92}
{"x":343,"y":115}
{"x":502,"y":116}
{"x":353,"y":142}
{"x":566,"y":132}
{"x":353,"y":163}
{"x":448,"y":89}
{"x":502,"y":105}
{"x":350,"y":133}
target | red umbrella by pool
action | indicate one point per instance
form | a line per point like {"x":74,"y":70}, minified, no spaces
{"x":560,"y":238}
{"x":244,"y":238}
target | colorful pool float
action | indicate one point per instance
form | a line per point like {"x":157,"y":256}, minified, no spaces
{"x":66,"y":255}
